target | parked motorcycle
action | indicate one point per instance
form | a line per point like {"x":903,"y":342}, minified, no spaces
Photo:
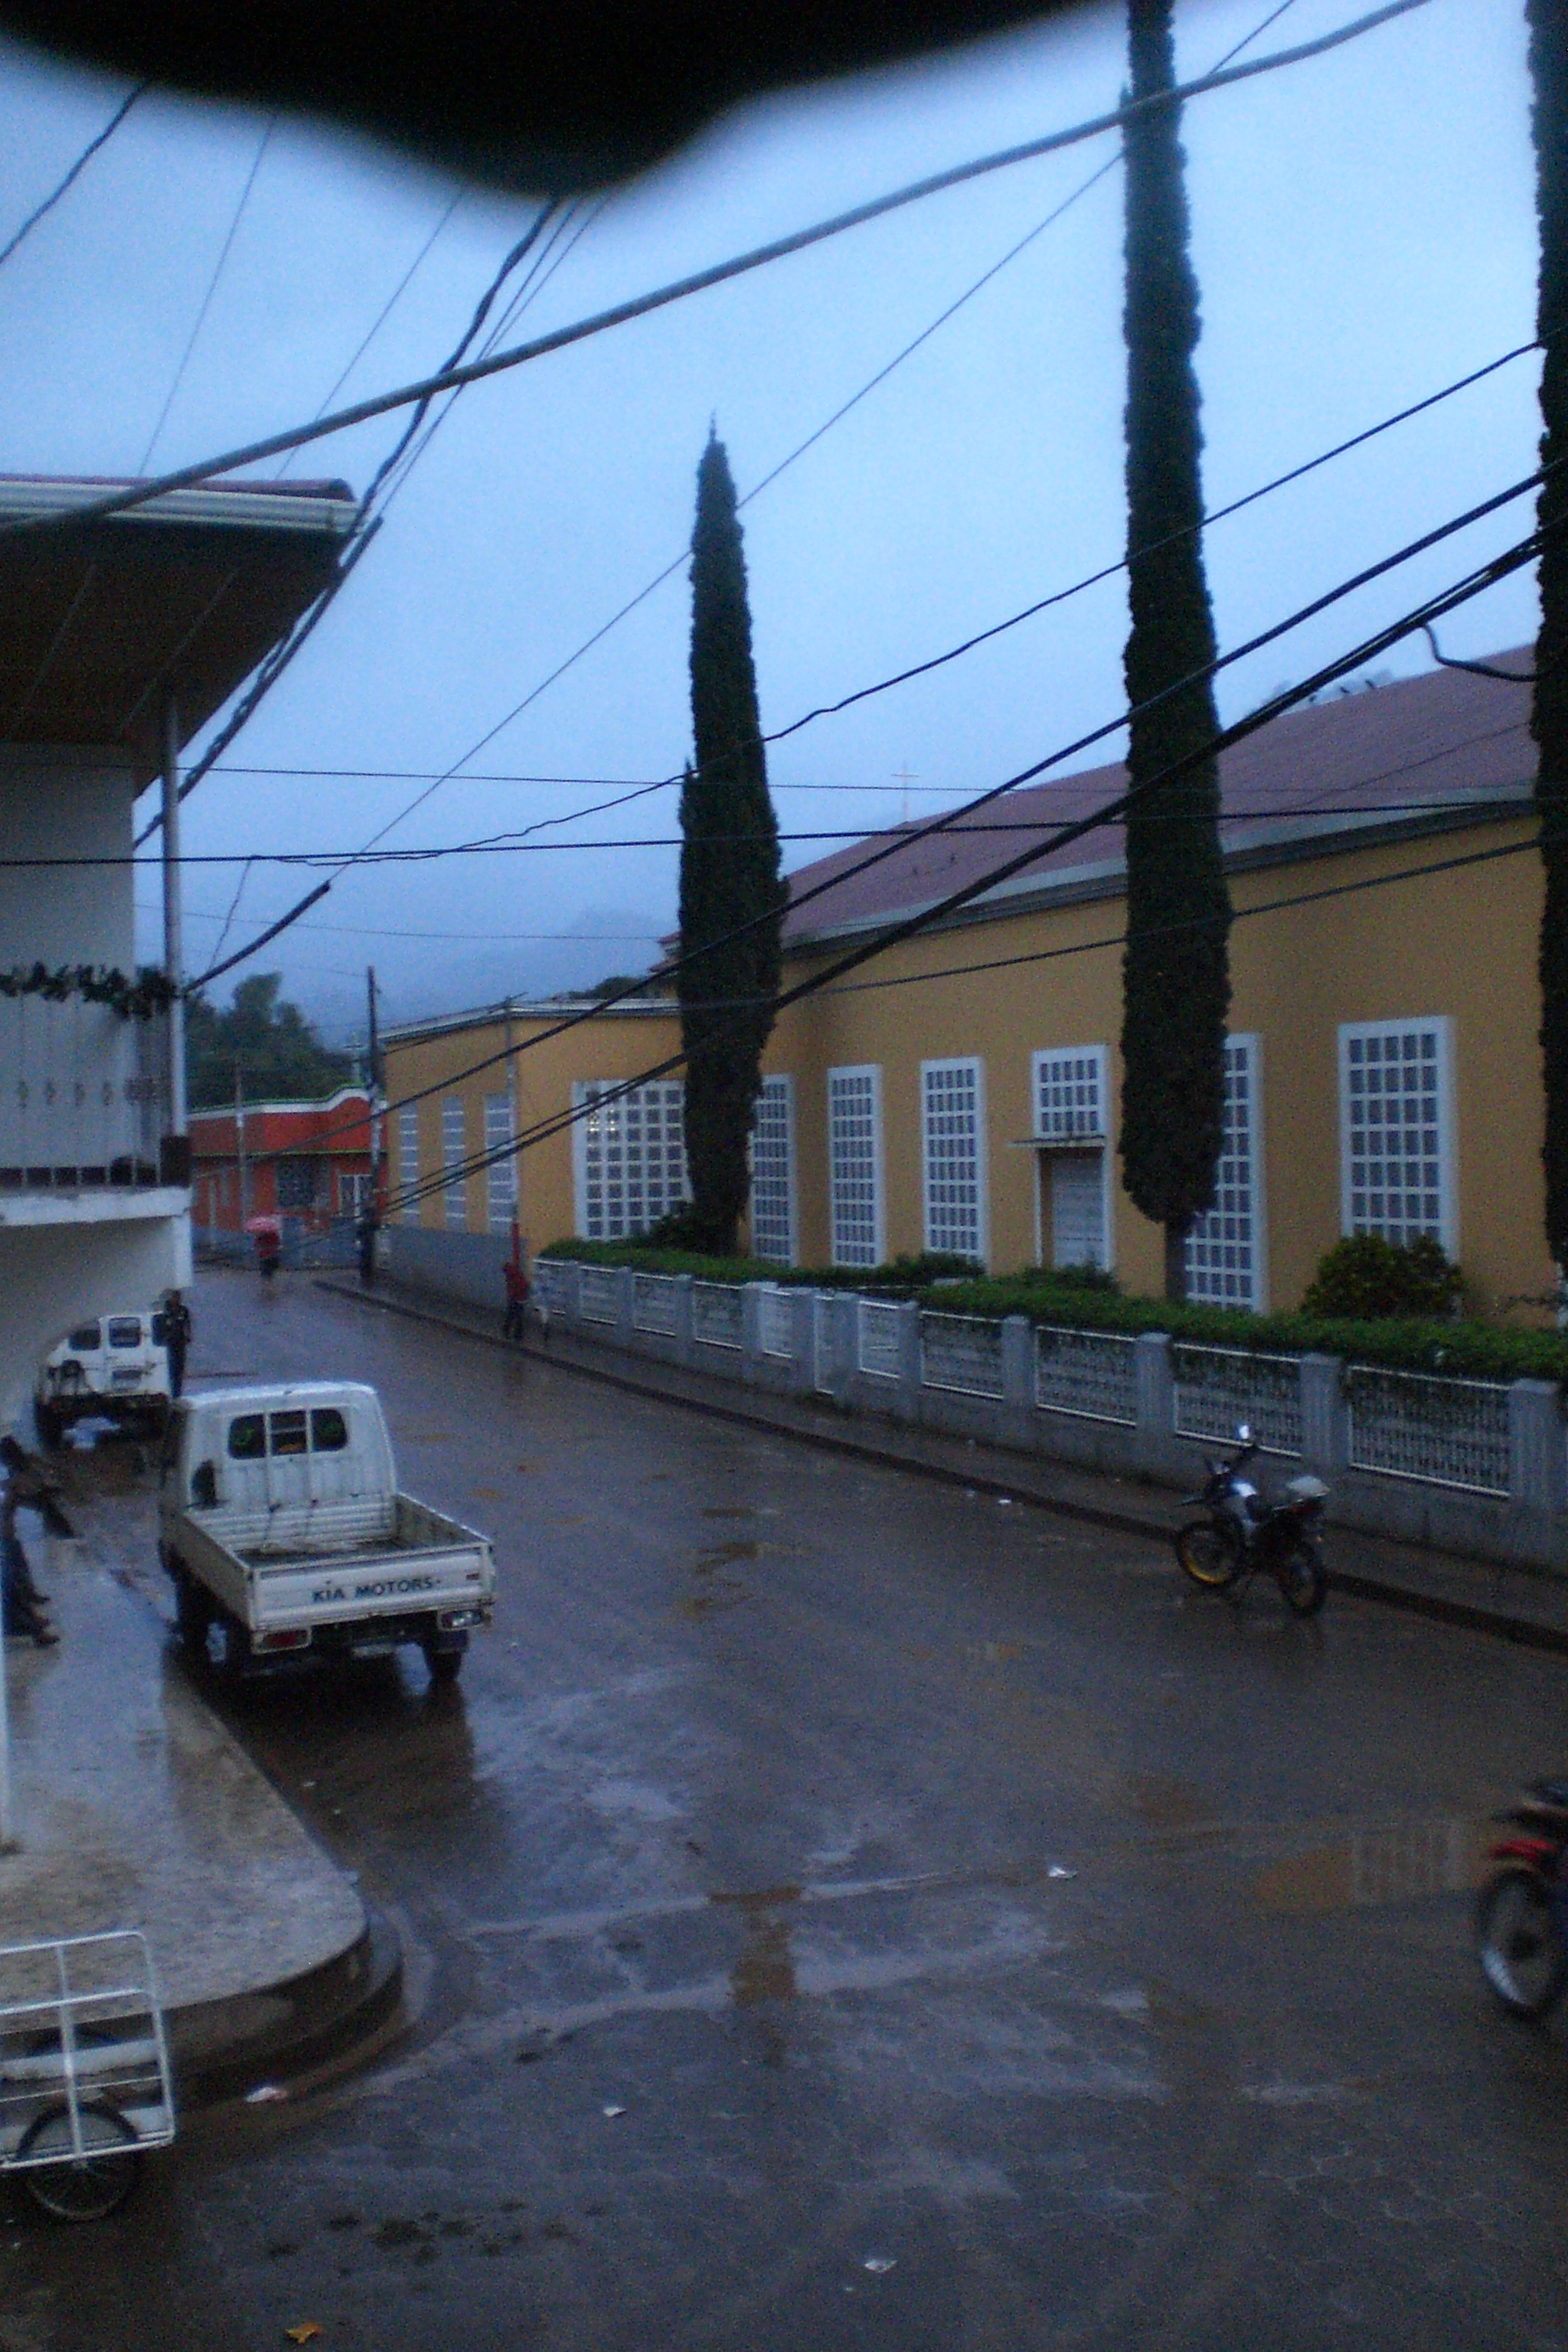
{"x":1522,"y":1918}
{"x":1243,"y":1533}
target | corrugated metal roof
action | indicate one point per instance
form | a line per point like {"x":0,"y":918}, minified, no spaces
{"x":1429,"y":743}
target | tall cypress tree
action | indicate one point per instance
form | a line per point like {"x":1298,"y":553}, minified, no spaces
{"x":1176,"y":969}
{"x":1548,"y":22}
{"x":729,"y":873}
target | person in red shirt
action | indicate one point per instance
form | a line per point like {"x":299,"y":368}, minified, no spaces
{"x":515,"y":1275}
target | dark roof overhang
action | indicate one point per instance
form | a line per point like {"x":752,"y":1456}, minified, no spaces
{"x":101,"y":622}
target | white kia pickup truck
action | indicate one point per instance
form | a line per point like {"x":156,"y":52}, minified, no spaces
{"x":282,"y":1529}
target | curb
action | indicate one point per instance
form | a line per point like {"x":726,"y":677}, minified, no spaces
{"x":221,"y":2049}
{"x":1528,"y":1632}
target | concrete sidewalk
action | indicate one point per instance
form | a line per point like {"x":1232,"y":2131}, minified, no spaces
{"x":133,"y":1807}
{"x":1516,"y":1604}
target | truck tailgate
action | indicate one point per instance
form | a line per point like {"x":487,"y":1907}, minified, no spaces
{"x":435,"y":1564}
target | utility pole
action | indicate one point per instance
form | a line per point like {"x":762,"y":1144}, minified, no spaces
{"x":371,"y":1221}
{"x":515,"y":1156}
{"x":174,"y":1154}
{"x":240,"y":1150}
{"x":906,"y":776}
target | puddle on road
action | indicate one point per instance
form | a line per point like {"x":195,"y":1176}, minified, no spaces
{"x":1166,"y":1804}
{"x":763,"y":1972}
{"x":723,"y":1593}
{"x":1397,"y":1863}
{"x":722,"y":1554}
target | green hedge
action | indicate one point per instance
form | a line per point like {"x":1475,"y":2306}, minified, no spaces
{"x":910,"y":1276}
{"x":1479,"y":1350}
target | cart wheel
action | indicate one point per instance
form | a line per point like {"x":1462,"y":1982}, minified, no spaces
{"x":79,"y":2189}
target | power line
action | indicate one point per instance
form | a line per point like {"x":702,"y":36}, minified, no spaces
{"x":632,"y":604}
{"x":718,"y":273}
{"x":1109,"y":571}
{"x":77,"y":169}
{"x":1432,"y":609}
{"x":211,"y":289}
{"x":363,"y":531}
{"x":637,"y":790}
{"x":382,"y":317}
{"x":1486,"y":577}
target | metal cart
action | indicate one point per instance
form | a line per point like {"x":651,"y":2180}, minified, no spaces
{"x":84,"y":2070}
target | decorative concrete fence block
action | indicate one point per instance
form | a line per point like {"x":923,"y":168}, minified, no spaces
{"x":1441,"y":1432}
{"x":598,"y":1294}
{"x":775,"y":1312}
{"x":1218,"y":1388}
{"x":961,"y":1354}
{"x":652,"y":1304}
{"x":716,"y":1314}
{"x":1093,"y":1375}
{"x":877,"y":1339}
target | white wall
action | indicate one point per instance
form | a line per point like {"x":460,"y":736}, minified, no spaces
{"x":65,"y":803}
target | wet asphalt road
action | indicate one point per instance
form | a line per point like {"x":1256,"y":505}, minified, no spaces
{"x":844,"y":1914}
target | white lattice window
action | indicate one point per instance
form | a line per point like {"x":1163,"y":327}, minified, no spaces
{"x":501,"y":1175}
{"x":408,"y":1162}
{"x":1225,"y":1247}
{"x":1396,"y":1147}
{"x":1070,"y":1094}
{"x":952,"y":1139}
{"x":855,"y":1164}
{"x":773,"y":1171}
{"x":629,"y":1157}
{"x":455,"y":1191}
{"x":353,"y":1195}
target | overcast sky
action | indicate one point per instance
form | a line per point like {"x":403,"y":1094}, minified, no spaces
{"x":1363,"y":233}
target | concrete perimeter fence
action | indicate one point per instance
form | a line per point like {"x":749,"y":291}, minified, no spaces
{"x":1478,"y":1468}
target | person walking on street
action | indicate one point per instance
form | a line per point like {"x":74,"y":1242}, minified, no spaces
{"x":364,"y":1239}
{"x":21,"y":1602}
{"x":516,"y":1280}
{"x":176,"y":1321}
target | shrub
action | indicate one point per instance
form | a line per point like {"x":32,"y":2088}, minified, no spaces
{"x":1367,"y":1278}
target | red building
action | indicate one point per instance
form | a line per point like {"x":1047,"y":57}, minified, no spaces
{"x":304,"y":1161}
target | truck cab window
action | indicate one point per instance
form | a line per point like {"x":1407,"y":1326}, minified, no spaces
{"x":329,"y":1430}
{"x":285,"y":1433}
{"x":247,"y":1438}
{"x":125,"y":1331}
{"x":85,"y":1340}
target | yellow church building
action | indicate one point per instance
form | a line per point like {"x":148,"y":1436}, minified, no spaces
{"x":961,"y":1091}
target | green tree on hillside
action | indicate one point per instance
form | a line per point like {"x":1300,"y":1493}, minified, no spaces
{"x":728,"y":873}
{"x":281,"y":1056}
{"x":1175,"y":967}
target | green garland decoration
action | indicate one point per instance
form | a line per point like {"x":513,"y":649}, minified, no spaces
{"x":137,"y":998}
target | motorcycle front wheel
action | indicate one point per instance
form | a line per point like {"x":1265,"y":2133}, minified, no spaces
{"x":1302,"y":1581}
{"x":1209,"y":1554}
{"x":1519,"y":1947}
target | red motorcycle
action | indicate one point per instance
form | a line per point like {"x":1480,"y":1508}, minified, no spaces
{"x":1522,"y":1918}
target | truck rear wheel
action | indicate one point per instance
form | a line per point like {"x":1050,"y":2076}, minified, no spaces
{"x":445,"y":1666}
{"x":227,"y":1645}
{"x":193,"y":1613}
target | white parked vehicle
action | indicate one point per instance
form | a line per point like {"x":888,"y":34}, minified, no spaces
{"x":116,"y":1369}
{"x":283,"y":1528}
